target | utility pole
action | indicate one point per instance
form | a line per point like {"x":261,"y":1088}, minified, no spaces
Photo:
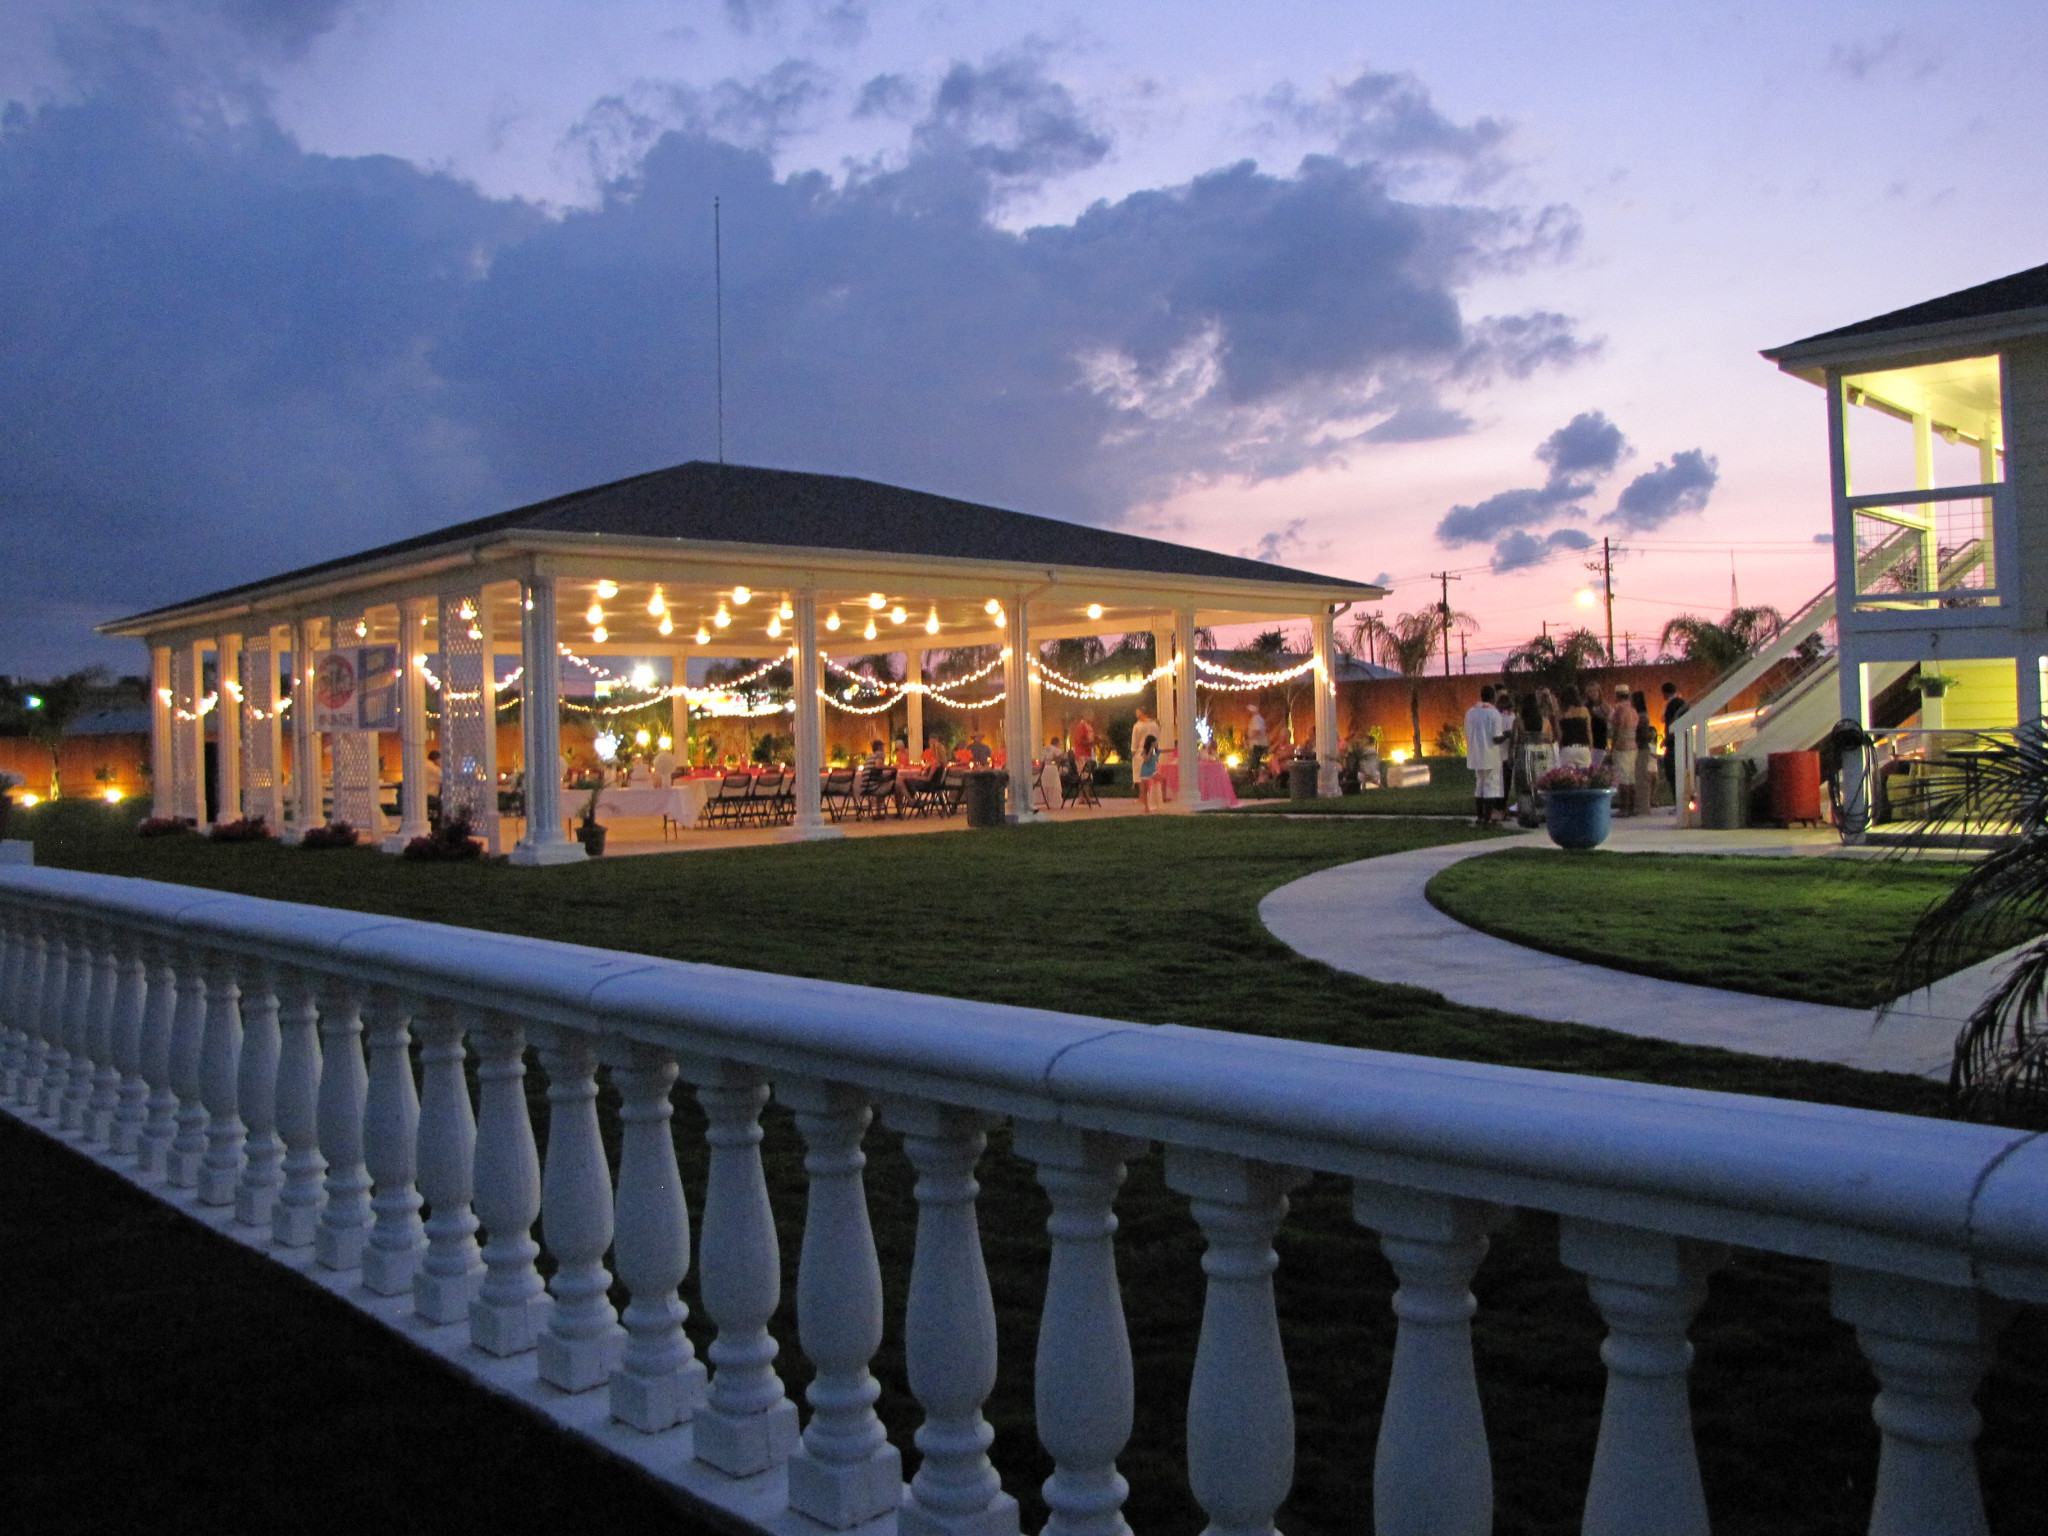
{"x":1607,"y":580}
{"x":1443,"y":608}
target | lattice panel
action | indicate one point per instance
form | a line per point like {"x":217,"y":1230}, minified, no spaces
{"x":355,"y":782}
{"x":259,"y":699}
{"x":469,"y":711}
{"x":184,"y":774}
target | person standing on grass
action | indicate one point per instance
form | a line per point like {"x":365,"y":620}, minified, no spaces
{"x":1148,"y":775}
{"x":1646,"y":754}
{"x":1574,"y":730}
{"x":1484,"y":733}
{"x":1621,"y":733}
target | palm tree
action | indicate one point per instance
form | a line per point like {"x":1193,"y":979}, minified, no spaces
{"x":1557,"y":662}
{"x":1999,"y":1071}
{"x":1725,"y":643}
{"x":1410,"y":642}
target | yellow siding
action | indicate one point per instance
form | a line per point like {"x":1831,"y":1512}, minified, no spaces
{"x":1986,"y":696}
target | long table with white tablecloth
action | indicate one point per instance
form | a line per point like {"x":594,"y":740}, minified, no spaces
{"x":682,"y":802}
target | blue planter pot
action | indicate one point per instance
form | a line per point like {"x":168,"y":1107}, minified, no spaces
{"x":1579,"y":818}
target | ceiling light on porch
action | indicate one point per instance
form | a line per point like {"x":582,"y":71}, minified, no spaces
{"x":897,"y":614}
{"x":869,"y":632}
{"x":607,"y":589}
{"x":593,"y":614}
{"x":657,"y":605}
{"x":1095,"y":610}
{"x":785,"y":612}
{"x":703,"y":635}
{"x":667,"y":625}
{"x":721,"y":618}
{"x":832,"y":620}
{"x":775,"y":627}
{"x":992,"y":607}
{"x":742,"y":595}
{"x":931,"y":623}
{"x":600,"y":634}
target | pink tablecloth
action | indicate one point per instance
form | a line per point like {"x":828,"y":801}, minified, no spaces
{"x":1215,"y":781}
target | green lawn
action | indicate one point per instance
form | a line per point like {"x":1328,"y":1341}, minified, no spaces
{"x":1154,"y":919}
{"x":1820,"y":930}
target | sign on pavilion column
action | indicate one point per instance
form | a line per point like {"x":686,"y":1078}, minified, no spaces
{"x":469,"y":715}
{"x":163,"y":791}
{"x":260,"y":796}
{"x":807,"y":716}
{"x":1328,"y":748}
{"x":1017,"y":709}
{"x":541,"y":722}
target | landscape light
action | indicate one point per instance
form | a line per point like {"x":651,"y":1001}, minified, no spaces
{"x":1398,"y":756}
{"x":607,"y":589}
{"x":111,"y":796}
{"x":742,"y":595}
{"x":1095,"y":610}
{"x":31,"y":799}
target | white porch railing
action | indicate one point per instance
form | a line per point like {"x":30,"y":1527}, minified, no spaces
{"x":256,"y":1055}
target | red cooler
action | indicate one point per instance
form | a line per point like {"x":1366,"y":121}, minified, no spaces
{"x":1795,"y":787}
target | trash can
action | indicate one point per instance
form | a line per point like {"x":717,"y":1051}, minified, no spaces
{"x":1302,"y":773}
{"x":1724,"y":793}
{"x":1795,"y":787}
{"x":986,"y":788}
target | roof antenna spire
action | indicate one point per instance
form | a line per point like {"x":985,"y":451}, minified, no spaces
{"x":718,"y":312}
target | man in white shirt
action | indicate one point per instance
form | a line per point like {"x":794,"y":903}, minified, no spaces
{"x":1255,"y":739}
{"x":1484,"y":732}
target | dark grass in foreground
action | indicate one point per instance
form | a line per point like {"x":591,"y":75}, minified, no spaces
{"x":1816,"y":930}
{"x":162,"y":1378}
{"x":1155,"y":919}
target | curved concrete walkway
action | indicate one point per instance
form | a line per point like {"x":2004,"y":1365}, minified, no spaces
{"x":1372,"y":919}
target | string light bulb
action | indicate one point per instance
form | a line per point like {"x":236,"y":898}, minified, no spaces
{"x":643,"y":739}
{"x":877,"y":601}
{"x":785,"y":612}
{"x":667,"y":626}
{"x":703,"y":635}
{"x":594,"y":614}
{"x":931,"y":623}
{"x":468,"y":609}
{"x":742,"y":596}
{"x":475,"y":633}
{"x":992,"y":607}
{"x":607,"y":589}
{"x":869,"y":632}
{"x":721,"y":618}
{"x":897,"y":614}
{"x":657,"y":605}
{"x":643,"y":679}
{"x":664,"y":741}
{"x":600,"y":634}
{"x":775,"y":627}
{"x":1095,"y":610}
{"x":832,"y":620}
{"x":362,"y":629}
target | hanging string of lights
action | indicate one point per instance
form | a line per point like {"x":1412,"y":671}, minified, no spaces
{"x":1243,"y":682}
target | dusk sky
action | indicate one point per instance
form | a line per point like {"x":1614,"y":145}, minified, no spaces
{"x":1375,"y":290}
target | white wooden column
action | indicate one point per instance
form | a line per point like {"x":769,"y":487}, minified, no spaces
{"x":412,"y":725}
{"x":229,"y":716}
{"x":913,"y":699}
{"x":195,"y":734}
{"x":491,"y":829}
{"x":305,"y":740}
{"x":808,"y":721}
{"x":1017,"y":709}
{"x":163,"y":791}
{"x":272,"y":726}
{"x":540,"y":716}
{"x":1163,"y":690}
{"x":1187,"y":743}
{"x":1328,"y":748}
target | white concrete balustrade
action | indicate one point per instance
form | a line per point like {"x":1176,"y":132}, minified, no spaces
{"x":253,"y":1062}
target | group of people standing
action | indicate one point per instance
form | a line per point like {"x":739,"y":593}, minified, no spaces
{"x":1512,"y":742}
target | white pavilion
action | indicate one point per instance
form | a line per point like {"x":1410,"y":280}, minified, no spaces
{"x":699,"y":560}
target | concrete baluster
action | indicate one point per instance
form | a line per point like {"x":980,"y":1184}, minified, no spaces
{"x":104,"y":1088}
{"x":453,"y":1269}
{"x":345,"y":1219}
{"x":256,"y":1096}
{"x":1083,"y":1377}
{"x":1929,"y":1346}
{"x":1432,"y":1471}
{"x":747,"y":1425}
{"x":660,"y":1380}
{"x":949,"y":1331}
{"x":12,"y":1038}
{"x":1648,"y":1286}
{"x":581,"y":1345}
{"x":511,"y":1306}
{"x":845,"y":1472}
{"x":81,"y":986}
{"x":220,"y":1056}
{"x":59,"y":986}
{"x":1240,"y":1411}
{"x":160,"y":1012}
{"x":188,"y":1036}
{"x":131,"y":1008}
{"x":30,"y":986}
{"x":391,"y":1136}
{"x":296,"y":1220}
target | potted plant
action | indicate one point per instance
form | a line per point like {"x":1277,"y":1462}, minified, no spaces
{"x":591,"y":834}
{"x":1578,"y":805}
{"x":1933,"y":685}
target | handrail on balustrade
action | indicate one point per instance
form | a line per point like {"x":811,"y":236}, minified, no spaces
{"x":103,"y":978}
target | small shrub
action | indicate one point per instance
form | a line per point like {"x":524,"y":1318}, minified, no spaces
{"x":336,"y":834}
{"x":162,"y":826}
{"x":249,"y":829}
{"x":1450,"y":740}
{"x":451,"y":843}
